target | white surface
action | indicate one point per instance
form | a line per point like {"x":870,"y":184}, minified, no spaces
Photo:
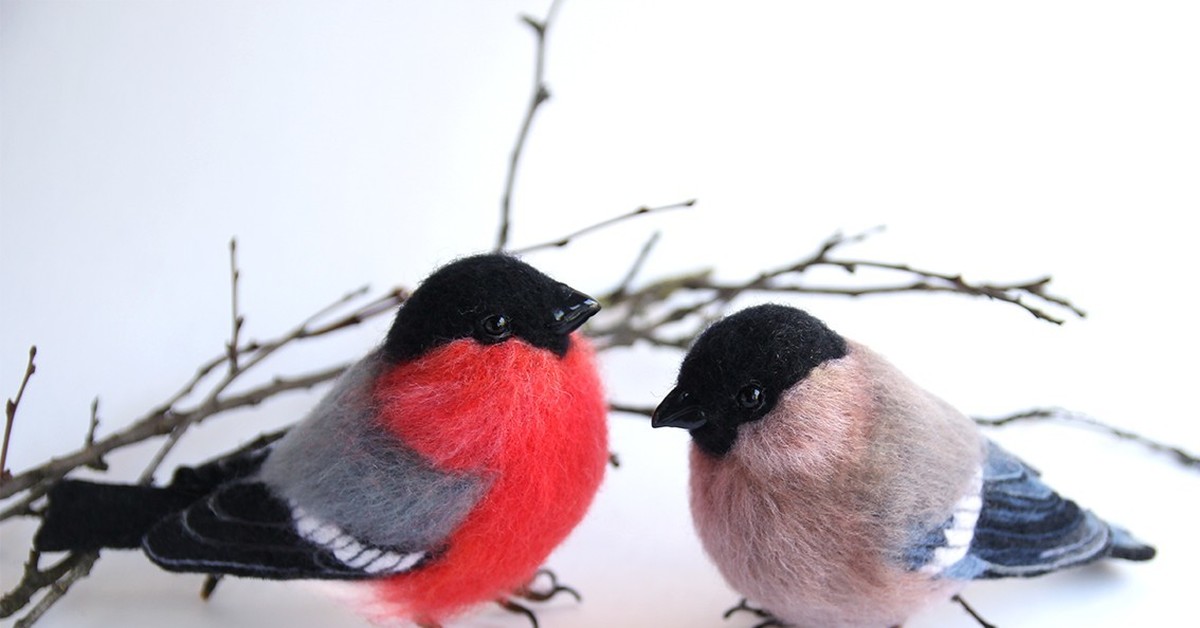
{"x":366,"y":142}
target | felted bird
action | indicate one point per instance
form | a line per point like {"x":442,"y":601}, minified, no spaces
{"x":439,"y":472}
{"x":835,"y":492}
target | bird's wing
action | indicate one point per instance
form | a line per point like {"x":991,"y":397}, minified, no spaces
{"x":337,"y":498}
{"x":244,"y":529}
{"x":1010,"y":524}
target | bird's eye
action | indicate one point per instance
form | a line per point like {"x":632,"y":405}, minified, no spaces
{"x":496,"y":326}
{"x":750,"y":397}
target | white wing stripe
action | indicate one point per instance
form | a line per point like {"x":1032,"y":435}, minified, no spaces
{"x":348,"y":550}
{"x":961,"y":530}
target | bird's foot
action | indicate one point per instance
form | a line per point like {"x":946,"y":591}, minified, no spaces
{"x":769,"y":620}
{"x":972,"y":613}
{"x":513,"y":607}
{"x":533,"y":593}
{"x":537,"y":591}
{"x":210,"y":584}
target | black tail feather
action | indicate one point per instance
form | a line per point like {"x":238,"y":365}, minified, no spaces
{"x":1125,"y":546}
{"x":88,"y":516}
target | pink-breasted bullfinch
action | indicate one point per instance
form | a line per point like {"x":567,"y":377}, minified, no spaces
{"x":834,"y":492}
{"x":439,"y":471}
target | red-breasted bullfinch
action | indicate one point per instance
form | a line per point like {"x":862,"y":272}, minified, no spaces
{"x":440,"y":470}
{"x":833,"y":491}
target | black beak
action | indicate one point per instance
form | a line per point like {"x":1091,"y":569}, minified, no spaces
{"x":678,"y":409}
{"x":573,"y":310}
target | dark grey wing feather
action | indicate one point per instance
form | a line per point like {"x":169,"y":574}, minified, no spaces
{"x":1026,"y":529}
{"x":243,"y":529}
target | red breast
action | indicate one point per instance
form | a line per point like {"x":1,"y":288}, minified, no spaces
{"x":532,"y":424}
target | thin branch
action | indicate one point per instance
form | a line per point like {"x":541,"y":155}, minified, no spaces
{"x":1059,"y":414}
{"x":235,"y":369}
{"x":34,"y":579}
{"x":565,"y":240}
{"x":22,"y":508}
{"x":39,"y":479}
{"x":10,"y":414}
{"x":645,"y":314}
{"x":623,"y":287}
{"x":81,"y":567}
{"x":541,"y":93}
{"x":164,"y":418}
{"x":90,"y":440}
{"x":970,"y":611}
{"x":236,"y":319}
{"x":260,"y":353}
{"x":380,"y":305}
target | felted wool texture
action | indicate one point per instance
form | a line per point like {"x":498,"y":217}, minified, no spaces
{"x":811,"y":511}
{"x":241,"y":529}
{"x":473,"y":287}
{"x":82,"y":515}
{"x":86,"y":515}
{"x":533,"y":425}
{"x":788,"y":343}
{"x":340,"y":465}
{"x":1026,"y":529}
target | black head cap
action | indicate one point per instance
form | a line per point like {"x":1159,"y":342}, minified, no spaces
{"x":738,"y":368}
{"x":491,"y":298}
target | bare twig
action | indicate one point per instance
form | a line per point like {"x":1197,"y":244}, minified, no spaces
{"x":644,"y":314}
{"x":623,"y":287}
{"x":1059,"y":414}
{"x":164,"y":418}
{"x":81,"y":565}
{"x":159,"y":424}
{"x":236,"y":319}
{"x":235,"y":369}
{"x":22,"y":507}
{"x":565,"y":240}
{"x":304,"y":330}
{"x":10,"y":414}
{"x":90,"y":440}
{"x":970,"y":611}
{"x":170,"y":419}
{"x":35,"y":579}
{"x":541,"y":93}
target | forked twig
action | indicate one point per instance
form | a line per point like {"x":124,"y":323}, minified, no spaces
{"x":655,"y":312}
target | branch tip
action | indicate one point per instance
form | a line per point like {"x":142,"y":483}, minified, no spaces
{"x":10,"y":414}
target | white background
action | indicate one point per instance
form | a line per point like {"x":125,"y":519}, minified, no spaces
{"x":346,"y":143}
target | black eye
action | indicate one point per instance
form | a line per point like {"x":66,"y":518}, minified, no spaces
{"x":497,"y":326}
{"x":750,"y":397}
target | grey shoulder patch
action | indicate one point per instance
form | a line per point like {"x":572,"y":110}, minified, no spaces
{"x":340,"y":467}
